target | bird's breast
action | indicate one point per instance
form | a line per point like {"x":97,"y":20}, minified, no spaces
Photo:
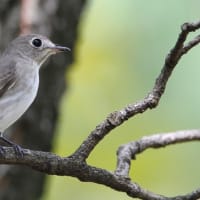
{"x":18,"y":98}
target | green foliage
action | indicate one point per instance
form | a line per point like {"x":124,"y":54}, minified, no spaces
{"x":121,"y":49}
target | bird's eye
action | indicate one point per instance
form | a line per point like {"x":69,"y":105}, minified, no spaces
{"x":37,"y":42}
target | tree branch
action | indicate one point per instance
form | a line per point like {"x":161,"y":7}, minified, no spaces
{"x":119,"y":180}
{"x":116,"y":118}
{"x":128,"y":151}
{"x":76,"y":166}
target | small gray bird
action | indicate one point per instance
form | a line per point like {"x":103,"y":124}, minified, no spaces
{"x":19,"y":77}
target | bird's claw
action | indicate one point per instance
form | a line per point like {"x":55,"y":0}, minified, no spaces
{"x":2,"y":151}
{"x":18,"y":150}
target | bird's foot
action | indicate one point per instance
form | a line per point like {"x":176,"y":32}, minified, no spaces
{"x":18,"y":150}
{"x":2,"y":151}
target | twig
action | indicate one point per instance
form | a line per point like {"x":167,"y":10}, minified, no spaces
{"x":128,"y":151}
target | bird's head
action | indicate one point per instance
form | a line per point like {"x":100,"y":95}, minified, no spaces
{"x":35,"y":47}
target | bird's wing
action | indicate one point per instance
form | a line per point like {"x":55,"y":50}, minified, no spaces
{"x":7,"y":76}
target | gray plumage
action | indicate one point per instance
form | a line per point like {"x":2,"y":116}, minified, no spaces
{"x":19,"y":74}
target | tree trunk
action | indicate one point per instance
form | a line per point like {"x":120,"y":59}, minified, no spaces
{"x":57,"y":19}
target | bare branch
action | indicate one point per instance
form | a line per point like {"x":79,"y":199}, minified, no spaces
{"x":116,"y":118}
{"x":52,"y":164}
{"x":128,"y":151}
{"x":71,"y":166}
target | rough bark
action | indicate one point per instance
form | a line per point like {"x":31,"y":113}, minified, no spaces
{"x":58,"y":20}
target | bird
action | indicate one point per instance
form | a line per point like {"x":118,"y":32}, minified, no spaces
{"x":20,"y":63}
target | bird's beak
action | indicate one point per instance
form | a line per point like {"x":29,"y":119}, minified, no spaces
{"x":58,"y":48}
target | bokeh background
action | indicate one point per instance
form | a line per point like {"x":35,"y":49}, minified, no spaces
{"x":120,"y":51}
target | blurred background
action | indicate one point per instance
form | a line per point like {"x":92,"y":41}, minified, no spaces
{"x":118,"y":52}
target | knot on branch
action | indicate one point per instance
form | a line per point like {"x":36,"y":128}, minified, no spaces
{"x":152,"y":99}
{"x":116,"y":118}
